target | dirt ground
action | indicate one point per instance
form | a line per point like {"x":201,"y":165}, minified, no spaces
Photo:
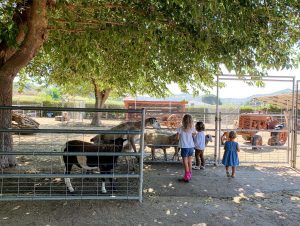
{"x":259,"y":195}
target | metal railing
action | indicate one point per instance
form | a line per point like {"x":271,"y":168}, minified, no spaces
{"x":39,"y":172}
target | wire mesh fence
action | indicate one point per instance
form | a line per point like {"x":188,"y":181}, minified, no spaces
{"x":48,"y":163}
{"x":259,"y":142}
{"x":296,"y":152}
{"x":43,"y":155}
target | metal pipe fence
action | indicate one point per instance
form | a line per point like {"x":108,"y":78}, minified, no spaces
{"x":251,"y":152}
{"x":39,"y":174}
{"x":296,"y":150}
{"x":42,"y":158}
{"x":267,"y":152}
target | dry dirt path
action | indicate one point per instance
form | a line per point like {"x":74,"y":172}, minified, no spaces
{"x":257,"y":196}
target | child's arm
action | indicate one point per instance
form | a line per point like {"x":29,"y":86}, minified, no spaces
{"x":238,"y":148}
{"x":194,"y":132}
{"x":194,"y":135}
{"x":178,"y":130}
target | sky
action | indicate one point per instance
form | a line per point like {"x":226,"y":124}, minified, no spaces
{"x":239,"y":89}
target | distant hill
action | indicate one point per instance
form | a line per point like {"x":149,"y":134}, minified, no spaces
{"x":242,"y":101}
{"x":198,"y":99}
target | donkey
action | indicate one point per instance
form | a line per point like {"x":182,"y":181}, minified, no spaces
{"x":126,"y":126}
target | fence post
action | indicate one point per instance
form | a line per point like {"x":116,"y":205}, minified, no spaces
{"x":142,"y":155}
{"x":216,"y":122}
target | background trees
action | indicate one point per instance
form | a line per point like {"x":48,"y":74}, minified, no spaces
{"x":211,"y":99}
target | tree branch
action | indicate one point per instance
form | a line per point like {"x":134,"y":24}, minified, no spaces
{"x":90,"y":22}
{"x":36,"y":35}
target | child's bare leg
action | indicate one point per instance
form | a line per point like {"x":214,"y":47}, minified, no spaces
{"x":197,"y":157}
{"x":227,"y":172}
{"x":190,"y":160}
{"x":233,"y":171}
{"x":202,"y":158}
{"x":185,"y":162}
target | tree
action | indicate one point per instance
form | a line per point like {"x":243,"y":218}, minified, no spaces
{"x":211,"y":99}
{"x":152,"y":42}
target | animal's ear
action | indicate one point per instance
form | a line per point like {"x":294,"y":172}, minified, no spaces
{"x":152,"y":120}
{"x":125,"y":142}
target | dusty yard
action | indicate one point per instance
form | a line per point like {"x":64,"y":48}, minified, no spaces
{"x":259,"y":195}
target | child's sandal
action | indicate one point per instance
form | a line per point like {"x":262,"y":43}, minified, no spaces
{"x":228,"y":174}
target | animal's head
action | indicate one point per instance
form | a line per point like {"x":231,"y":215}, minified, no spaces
{"x":173,"y":139}
{"x":116,"y":142}
{"x":152,"y":122}
{"x":96,"y":139}
{"x":208,"y":138}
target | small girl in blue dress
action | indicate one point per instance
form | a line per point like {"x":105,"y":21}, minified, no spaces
{"x":230,"y":157}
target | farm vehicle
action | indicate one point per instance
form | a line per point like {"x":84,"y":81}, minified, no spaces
{"x":250,"y":124}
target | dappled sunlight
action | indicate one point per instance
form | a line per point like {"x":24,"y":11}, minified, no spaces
{"x":295,"y":198}
{"x":16,"y":207}
{"x":259,"y":194}
{"x":207,"y":201}
{"x":149,"y":168}
{"x":168,"y":212}
{"x":157,"y":221}
{"x":238,"y":199}
{"x":281,"y":215}
{"x":57,"y":180}
{"x":149,"y":190}
{"x":172,"y":172}
{"x":241,"y":190}
{"x":170,"y":185}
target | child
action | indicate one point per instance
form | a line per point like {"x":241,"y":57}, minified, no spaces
{"x":185,"y":136}
{"x":199,"y":145}
{"x":230,"y":157}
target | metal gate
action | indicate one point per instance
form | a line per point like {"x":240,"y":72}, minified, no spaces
{"x":296,"y":150}
{"x":39,"y":174}
{"x":256,"y":133}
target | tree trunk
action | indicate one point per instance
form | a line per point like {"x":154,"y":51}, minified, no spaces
{"x":101,"y":97}
{"x":6,"y":84}
{"x":32,"y":25}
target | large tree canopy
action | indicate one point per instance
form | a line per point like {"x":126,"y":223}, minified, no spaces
{"x":140,"y":46}
{"x":132,"y":47}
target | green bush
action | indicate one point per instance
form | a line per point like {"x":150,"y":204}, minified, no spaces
{"x":247,"y":109}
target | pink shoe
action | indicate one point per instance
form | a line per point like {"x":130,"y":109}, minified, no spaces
{"x":186,"y":177}
{"x":189,"y":175}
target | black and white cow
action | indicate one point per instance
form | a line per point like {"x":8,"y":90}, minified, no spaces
{"x":89,"y":163}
